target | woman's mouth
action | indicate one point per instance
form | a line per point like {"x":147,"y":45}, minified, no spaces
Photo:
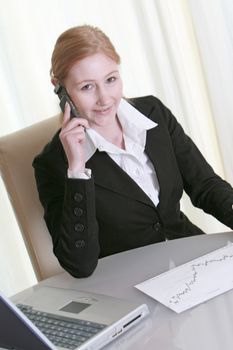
{"x":103,"y":111}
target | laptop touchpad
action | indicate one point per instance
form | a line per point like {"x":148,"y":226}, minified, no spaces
{"x":75,"y":307}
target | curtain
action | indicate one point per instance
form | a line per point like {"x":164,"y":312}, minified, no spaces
{"x":179,"y":50}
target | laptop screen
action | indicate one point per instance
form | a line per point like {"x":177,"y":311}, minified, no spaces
{"x":16,"y":331}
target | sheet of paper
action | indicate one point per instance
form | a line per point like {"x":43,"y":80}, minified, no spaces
{"x":192,"y":283}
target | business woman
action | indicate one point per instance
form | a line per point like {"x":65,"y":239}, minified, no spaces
{"x":112,"y":179}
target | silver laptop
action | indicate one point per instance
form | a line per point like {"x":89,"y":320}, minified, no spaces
{"x":56,"y":318}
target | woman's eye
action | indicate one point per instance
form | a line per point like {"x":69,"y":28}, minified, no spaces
{"x":111,"y":79}
{"x":86,"y":87}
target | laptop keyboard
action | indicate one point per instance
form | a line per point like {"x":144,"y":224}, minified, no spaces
{"x":62,"y":331}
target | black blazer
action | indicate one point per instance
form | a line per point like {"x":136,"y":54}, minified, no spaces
{"x":109,"y":213}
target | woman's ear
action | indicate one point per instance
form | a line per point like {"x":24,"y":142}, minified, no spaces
{"x":54,"y":81}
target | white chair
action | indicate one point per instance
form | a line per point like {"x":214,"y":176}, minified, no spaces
{"x":17,"y":151}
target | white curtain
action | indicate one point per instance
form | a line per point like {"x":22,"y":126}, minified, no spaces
{"x":179,"y":50}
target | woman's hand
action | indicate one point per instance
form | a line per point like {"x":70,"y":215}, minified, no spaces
{"x":73,"y":137}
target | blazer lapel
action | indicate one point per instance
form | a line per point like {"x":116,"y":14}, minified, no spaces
{"x":109,"y":175}
{"x":157,"y":154}
{"x":161,"y":153}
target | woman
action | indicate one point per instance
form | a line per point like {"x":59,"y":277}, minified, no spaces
{"x":112,"y":179}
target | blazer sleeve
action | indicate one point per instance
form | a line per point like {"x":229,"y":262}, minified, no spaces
{"x":206,"y":189}
{"x":69,"y":212}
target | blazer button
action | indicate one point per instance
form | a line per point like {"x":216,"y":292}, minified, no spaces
{"x":157,"y":226}
{"x":78,"y":197}
{"x":80,"y":244}
{"x":78,"y":212}
{"x":79,"y":227}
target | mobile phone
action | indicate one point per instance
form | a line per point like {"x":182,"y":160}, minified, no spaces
{"x":64,"y":97}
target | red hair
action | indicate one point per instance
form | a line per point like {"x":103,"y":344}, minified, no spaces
{"x":75,"y":44}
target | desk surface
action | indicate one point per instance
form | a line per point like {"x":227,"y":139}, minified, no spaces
{"x":207,"y":326}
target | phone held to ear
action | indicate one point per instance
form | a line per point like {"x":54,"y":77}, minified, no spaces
{"x":64,"y":97}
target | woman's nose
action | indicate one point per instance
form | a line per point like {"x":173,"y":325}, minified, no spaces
{"x":102,"y":96}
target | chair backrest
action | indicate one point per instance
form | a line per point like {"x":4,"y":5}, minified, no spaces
{"x":17,"y":151}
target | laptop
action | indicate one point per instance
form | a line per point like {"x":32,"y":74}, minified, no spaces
{"x":57,"y":318}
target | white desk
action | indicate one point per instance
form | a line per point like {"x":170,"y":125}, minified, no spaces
{"x":208,"y":326}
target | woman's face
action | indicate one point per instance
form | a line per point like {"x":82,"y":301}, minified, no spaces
{"x":94,"y":85}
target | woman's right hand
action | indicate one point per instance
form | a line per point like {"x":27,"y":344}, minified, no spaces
{"x":73,"y":137}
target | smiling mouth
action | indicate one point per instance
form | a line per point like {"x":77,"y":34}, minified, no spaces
{"x":103,"y":110}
